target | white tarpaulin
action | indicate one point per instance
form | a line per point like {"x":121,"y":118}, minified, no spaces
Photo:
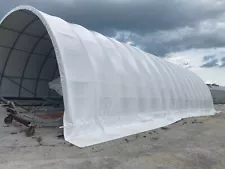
{"x":110,"y":89}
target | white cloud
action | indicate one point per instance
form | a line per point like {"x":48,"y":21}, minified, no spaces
{"x":194,"y":59}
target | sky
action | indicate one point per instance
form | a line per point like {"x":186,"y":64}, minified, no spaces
{"x":190,"y":33}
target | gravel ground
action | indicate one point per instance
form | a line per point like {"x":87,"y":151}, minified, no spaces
{"x":193,"y":143}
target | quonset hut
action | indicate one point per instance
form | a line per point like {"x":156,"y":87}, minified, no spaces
{"x":110,"y":90}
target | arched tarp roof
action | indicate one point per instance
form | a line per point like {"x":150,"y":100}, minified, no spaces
{"x":110,"y":89}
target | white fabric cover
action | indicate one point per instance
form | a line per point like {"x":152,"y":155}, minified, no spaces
{"x":112,"y":90}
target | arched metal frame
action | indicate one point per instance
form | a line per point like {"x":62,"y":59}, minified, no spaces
{"x":38,"y":78}
{"x":42,"y":66}
{"x":14,"y":44}
{"x":35,"y":46}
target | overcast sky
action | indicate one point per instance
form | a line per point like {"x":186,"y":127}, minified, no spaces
{"x":187,"y":32}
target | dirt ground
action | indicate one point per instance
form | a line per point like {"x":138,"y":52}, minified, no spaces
{"x":193,"y":143}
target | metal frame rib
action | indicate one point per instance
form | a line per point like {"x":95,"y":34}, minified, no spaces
{"x":42,"y":66}
{"x":28,"y":59}
{"x":14,"y":44}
